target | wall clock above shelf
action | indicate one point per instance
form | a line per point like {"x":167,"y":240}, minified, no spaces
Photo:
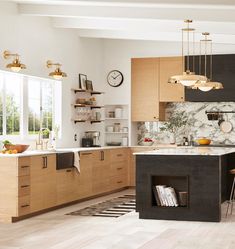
{"x":115,"y":78}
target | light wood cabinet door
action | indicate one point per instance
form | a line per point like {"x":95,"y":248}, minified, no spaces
{"x":66,"y":185}
{"x":170,"y":92}
{"x":43,"y":182}
{"x":100,"y":172}
{"x":145,"y":104}
{"x":84,"y":178}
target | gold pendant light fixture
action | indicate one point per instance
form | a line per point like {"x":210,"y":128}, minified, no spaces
{"x":207,"y":85}
{"x":16,"y":65}
{"x":57,"y":74}
{"x":188,"y":77}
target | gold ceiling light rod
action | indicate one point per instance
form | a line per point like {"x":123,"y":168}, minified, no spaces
{"x":57,"y":74}
{"x":188,"y":76}
{"x":16,"y":65}
{"x":209,"y":84}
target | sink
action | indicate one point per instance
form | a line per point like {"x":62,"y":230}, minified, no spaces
{"x":64,"y":159}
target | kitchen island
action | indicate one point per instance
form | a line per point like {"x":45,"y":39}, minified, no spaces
{"x":200,"y":173}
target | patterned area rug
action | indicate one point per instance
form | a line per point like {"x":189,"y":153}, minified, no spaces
{"x":112,"y":208}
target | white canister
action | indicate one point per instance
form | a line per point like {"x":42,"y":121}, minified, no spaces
{"x":125,"y":141}
{"x":109,"y":128}
{"x":118,"y":112}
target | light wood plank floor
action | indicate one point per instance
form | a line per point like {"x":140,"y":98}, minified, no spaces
{"x":55,"y":230}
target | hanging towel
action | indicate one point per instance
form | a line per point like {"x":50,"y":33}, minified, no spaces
{"x":76,"y":160}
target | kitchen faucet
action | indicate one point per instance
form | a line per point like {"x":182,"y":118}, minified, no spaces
{"x":40,"y":141}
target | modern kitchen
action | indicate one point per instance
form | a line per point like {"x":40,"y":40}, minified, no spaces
{"x":117,"y":124}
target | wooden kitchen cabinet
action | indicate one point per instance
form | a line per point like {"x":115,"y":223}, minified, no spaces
{"x":169,"y":92}
{"x":66,"y":185}
{"x":119,"y":166}
{"x":145,"y":104}
{"x":84,"y":178}
{"x":100,"y":172}
{"x":43,"y":182}
{"x":150,"y":90}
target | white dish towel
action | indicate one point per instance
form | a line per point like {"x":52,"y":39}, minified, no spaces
{"x":76,"y":160}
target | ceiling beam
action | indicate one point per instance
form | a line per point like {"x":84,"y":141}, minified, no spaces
{"x":170,"y":13}
{"x":151,"y":36}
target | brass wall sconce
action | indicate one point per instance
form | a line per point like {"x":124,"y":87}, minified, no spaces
{"x":16,"y":65}
{"x":57,"y":74}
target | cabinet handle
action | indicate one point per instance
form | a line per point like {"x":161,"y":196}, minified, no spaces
{"x":68,"y":170}
{"x":119,"y":168}
{"x":119,"y":182}
{"x":24,"y":206}
{"x":25,"y":186}
{"x":102,"y":155}
{"x":119,"y":155}
{"x":24,"y":166}
{"x":44,"y":158}
{"x":154,"y":117}
{"x":86,"y":154}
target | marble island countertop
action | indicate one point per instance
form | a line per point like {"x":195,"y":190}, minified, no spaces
{"x":187,"y":151}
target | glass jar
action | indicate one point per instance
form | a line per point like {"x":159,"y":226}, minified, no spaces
{"x":111,"y":114}
{"x":117,"y":127}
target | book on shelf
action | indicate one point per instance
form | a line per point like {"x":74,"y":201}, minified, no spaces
{"x":165,"y":196}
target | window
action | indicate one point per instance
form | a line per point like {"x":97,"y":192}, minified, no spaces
{"x":27,"y":104}
{"x":1,"y":103}
{"x":40,"y":105}
{"x":13,"y":84}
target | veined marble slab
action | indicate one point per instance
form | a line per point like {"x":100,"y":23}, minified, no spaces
{"x":204,"y":151}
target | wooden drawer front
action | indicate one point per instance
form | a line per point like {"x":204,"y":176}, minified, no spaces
{"x":24,"y":164}
{"x":117,"y":182}
{"x":101,"y":156}
{"x":23,"y":185}
{"x":45,"y":162}
{"x":119,"y":168}
{"x":118,"y":155}
{"x":23,"y":205}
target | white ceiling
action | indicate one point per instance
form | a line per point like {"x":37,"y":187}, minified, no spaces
{"x":159,"y":20}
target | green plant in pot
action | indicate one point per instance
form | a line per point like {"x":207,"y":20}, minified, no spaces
{"x":176,"y":121}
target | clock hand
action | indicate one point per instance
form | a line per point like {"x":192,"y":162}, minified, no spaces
{"x":117,"y":76}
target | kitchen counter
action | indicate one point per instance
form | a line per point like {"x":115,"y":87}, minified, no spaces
{"x":48,"y":152}
{"x":206,"y":151}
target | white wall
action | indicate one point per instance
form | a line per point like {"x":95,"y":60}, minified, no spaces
{"x":36,"y":41}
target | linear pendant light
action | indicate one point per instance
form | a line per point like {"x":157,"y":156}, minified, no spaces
{"x":188,"y":77}
{"x":207,"y":85}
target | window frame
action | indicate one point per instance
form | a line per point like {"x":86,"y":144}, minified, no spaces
{"x":24,"y":108}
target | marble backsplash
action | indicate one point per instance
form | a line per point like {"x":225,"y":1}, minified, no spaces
{"x":199,"y":125}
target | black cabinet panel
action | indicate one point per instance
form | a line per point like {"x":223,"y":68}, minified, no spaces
{"x":224,"y":72}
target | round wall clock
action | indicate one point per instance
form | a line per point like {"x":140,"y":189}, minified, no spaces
{"x":115,"y":78}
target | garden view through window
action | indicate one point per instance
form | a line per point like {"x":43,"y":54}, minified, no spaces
{"x":25,"y":97}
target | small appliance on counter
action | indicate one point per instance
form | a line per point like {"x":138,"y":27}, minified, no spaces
{"x":91,"y":139}
{"x":87,"y":142}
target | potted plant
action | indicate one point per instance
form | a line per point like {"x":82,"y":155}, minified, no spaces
{"x":176,"y":121}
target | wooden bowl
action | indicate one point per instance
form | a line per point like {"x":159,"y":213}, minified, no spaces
{"x":19,"y":147}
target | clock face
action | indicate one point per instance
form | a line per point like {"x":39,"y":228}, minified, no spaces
{"x":115,"y":78}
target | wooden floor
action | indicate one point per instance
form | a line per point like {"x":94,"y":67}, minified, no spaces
{"x":55,"y":230}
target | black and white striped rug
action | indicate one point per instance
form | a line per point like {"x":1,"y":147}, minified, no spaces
{"x":114,"y":208}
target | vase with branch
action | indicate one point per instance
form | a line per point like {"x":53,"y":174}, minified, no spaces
{"x":175,"y":123}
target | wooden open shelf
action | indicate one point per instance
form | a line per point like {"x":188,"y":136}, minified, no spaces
{"x":83,"y":121}
{"x":86,"y":91}
{"x":90,"y":106}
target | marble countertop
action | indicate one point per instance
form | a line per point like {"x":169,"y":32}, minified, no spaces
{"x":188,"y":151}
